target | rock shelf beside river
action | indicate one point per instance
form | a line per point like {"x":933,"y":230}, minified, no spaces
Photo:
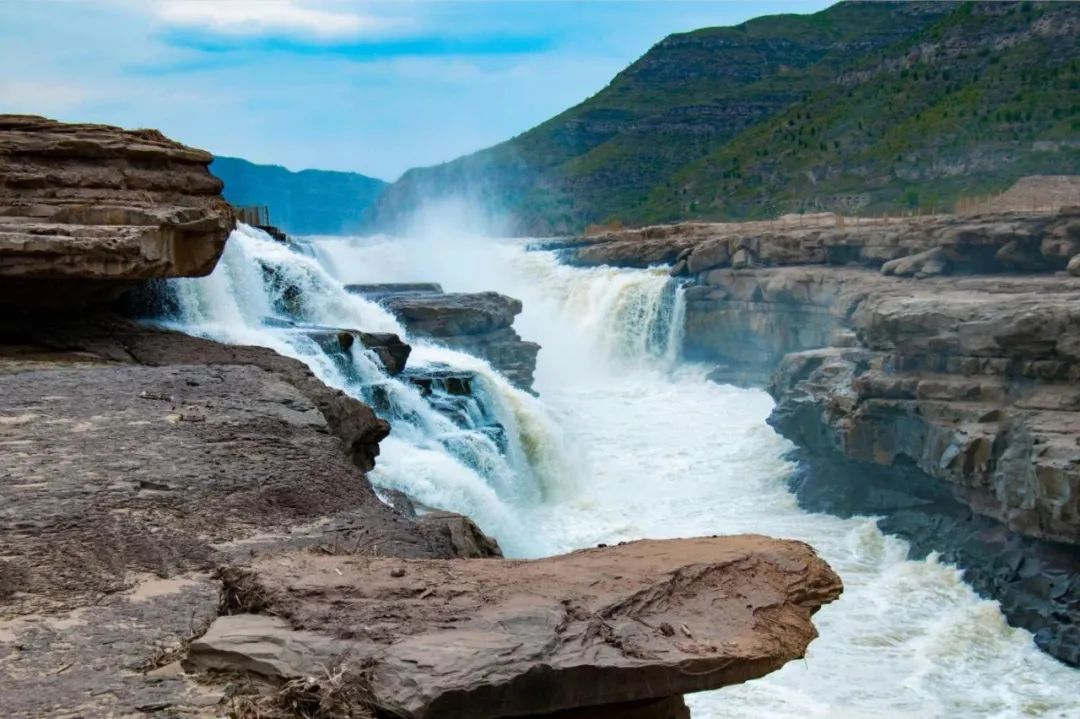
{"x":88,"y":211}
{"x":485,"y":639}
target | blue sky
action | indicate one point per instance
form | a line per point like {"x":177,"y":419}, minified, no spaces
{"x":373,"y":87}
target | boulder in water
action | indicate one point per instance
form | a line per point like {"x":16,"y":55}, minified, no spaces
{"x":477,"y":323}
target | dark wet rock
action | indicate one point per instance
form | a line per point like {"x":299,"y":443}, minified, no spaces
{"x":487,"y":639}
{"x":395,"y":288}
{"x":477,"y":323}
{"x":392,"y":353}
{"x":388,"y":347}
{"x":461,"y":533}
{"x":89,"y":211}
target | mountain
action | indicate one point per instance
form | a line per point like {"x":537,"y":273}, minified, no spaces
{"x":309,"y":202}
{"x":861,"y":106}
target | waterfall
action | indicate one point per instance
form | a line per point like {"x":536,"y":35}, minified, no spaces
{"x":485,"y":455}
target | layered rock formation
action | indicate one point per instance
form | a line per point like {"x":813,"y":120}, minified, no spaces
{"x":624,"y":626}
{"x":478,"y":323}
{"x":947,"y":403}
{"x":86,"y":211}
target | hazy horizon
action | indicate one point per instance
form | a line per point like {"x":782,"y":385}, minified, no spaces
{"x":368,"y":87}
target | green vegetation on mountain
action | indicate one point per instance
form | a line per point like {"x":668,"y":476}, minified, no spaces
{"x":309,"y":202}
{"x":863,"y":106}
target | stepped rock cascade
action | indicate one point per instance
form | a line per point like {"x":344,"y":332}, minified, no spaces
{"x":463,"y":437}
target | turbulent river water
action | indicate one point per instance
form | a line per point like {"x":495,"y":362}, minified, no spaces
{"x":625,"y":441}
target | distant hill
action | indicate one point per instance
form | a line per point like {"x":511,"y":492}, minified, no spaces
{"x":862,"y":106}
{"x":309,"y":202}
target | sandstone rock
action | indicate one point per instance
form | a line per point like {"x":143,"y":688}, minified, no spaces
{"x":486,"y":639}
{"x":709,"y":255}
{"x":741,"y":259}
{"x":1033,"y":242}
{"x":452,"y":314}
{"x":86,"y":211}
{"x":924,"y":264}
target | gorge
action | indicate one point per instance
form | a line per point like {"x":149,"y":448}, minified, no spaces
{"x":193,"y":496}
{"x":147,"y":472}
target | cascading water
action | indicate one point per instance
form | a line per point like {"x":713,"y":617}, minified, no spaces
{"x":630,"y":443}
{"x":665,"y":453}
{"x":483,"y":455}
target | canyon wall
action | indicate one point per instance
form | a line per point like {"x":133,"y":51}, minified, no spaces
{"x":926,"y":370}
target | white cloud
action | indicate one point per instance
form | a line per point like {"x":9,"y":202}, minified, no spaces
{"x":257,"y":17}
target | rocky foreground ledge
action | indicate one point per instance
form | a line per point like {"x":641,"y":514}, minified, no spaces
{"x":609,"y":629}
{"x":928,"y":371}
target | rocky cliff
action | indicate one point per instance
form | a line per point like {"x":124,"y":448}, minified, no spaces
{"x":927,"y":371}
{"x":87,"y":211}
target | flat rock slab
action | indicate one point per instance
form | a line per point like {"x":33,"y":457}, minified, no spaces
{"x":478,"y":639}
{"x":453,"y":313}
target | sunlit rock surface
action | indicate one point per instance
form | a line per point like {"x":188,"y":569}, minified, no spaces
{"x":638,"y":622}
{"x":88,"y":210}
{"x":135,"y":462}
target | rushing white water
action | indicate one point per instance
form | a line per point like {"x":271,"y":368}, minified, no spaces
{"x":628,"y":443}
{"x":466,"y":463}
